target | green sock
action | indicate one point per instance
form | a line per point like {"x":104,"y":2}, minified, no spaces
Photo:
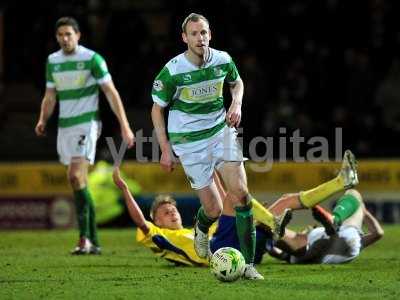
{"x":203,"y":221}
{"x":82,"y":213}
{"x":345,"y":207}
{"x":92,"y":218}
{"x":246,"y":232}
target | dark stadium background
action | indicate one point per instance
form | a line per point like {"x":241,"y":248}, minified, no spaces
{"x":308,"y":65}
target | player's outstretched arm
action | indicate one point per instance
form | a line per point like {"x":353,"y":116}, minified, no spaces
{"x":117,"y":107}
{"x":167,"y":158}
{"x":375,"y":231}
{"x":46,"y":110}
{"x":134,"y":210}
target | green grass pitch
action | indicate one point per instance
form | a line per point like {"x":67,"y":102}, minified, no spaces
{"x":36,"y":265}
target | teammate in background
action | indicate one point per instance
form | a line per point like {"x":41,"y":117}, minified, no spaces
{"x":339,"y":241}
{"x":73,"y":76}
{"x":203,"y":135}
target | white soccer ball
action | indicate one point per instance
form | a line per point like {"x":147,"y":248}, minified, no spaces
{"x":227,"y":264}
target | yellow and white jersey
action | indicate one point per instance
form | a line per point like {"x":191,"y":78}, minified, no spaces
{"x":173,"y":245}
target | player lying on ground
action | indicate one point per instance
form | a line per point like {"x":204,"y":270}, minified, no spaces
{"x":225,"y":235}
{"x":167,"y":238}
{"x":339,"y":241}
{"x":164,"y":235}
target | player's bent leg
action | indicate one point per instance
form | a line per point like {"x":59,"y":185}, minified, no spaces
{"x":326,"y":219}
{"x":346,"y":206}
{"x":234,"y":177}
{"x":262,"y":214}
{"x":347,"y":178}
{"x":207,"y":214}
{"x":210,"y":201}
{"x":356,"y":218}
{"x":291,"y":201}
{"x":281,"y":222}
{"x":275,"y":224}
{"x":246,"y":231}
{"x":349,"y":170}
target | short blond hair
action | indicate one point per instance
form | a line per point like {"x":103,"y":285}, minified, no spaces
{"x":160,"y":200}
{"x":193,"y":17}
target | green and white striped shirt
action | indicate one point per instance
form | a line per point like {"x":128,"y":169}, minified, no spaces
{"x":195,"y":96}
{"x":76,"y":78}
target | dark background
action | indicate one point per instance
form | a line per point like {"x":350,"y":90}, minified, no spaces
{"x":312,"y":65}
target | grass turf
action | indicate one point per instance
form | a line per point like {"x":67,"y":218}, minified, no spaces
{"x":36,"y":265}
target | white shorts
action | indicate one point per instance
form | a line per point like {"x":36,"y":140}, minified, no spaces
{"x":344,"y":247}
{"x":200,"y":159}
{"x":78,"y":141}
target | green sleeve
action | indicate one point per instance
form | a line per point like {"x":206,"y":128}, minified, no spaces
{"x":49,"y":74}
{"x":99,"y":67}
{"x":233,"y":73}
{"x":163,"y":88}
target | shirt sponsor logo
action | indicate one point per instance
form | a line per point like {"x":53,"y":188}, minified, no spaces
{"x":70,"y":80}
{"x":202,"y":93}
{"x":57,"y":68}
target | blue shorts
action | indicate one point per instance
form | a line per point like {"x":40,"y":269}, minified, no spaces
{"x":226,"y":236}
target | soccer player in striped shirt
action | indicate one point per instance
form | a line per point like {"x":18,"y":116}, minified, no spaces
{"x":203,"y":134}
{"x":340,"y":240}
{"x":73,"y":77}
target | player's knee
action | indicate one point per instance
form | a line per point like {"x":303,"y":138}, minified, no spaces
{"x":214,"y":211}
{"x":290,"y":197}
{"x":292,"y":201}
{"x":356,"y":194}
{"x":241,"y":193}
{"x":75,"y":179}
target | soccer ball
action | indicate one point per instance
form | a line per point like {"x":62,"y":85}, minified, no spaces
{"x":227,"y":264}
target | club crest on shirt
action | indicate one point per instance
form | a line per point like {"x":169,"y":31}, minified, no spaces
{"x":218,"y":72}
{"x":80,"y":65}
